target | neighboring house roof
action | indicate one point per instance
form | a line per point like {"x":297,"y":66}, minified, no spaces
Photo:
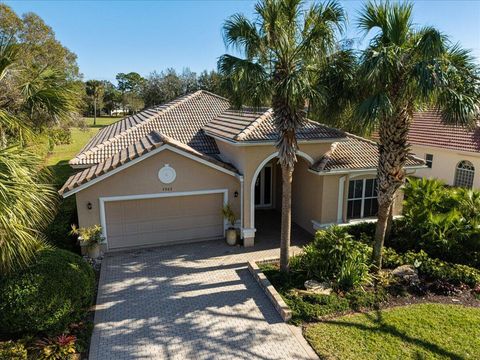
{"x":248,"y":125}
{"x":427,"y":129}
{"x":152,"y":141}
{"x":356,"y":153}
{"x":181,"y":119}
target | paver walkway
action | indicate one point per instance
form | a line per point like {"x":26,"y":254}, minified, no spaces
{"x":195,"y":301}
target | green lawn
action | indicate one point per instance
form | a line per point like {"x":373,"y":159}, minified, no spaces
{"x":426,"y":331}
{"x":57,"y":160}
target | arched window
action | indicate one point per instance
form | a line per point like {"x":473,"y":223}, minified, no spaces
{"x":464,"y":174}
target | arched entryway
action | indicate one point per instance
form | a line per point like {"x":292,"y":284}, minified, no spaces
{"x":266,"y":198}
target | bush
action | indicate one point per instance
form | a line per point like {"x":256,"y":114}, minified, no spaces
{"x":51,"y":293}
{"x":58,"y":231}
{"x":312,"y":307}
{"x":443,"y":221}
{"x":10,"y":350}
{"x":433,"y":269}
{"x":335,"y":256}
{"x":359,"y":299}
{"x":59,"y":135}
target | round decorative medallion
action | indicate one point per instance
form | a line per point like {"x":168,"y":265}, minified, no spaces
{"x":167,"y":174}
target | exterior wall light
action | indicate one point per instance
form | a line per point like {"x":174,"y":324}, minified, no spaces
{"x":89,"y":205}
{"x":235,"y":194}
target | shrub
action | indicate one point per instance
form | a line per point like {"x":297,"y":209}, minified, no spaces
{"x":335,"y":256}
{"x":12,"y":351}
{"x":359,"y":299}
{"x":58,"y":231}
{"x":59,"y":347}
{"x":433,"y":269}
{"x":443,"y":221}
{"x":59,"y":135}
{"x":51,"y":293}
{"x":312,"y":307}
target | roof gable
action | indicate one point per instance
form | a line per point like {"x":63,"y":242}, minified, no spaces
{"x":356,"y":153}
{"x":147,"y":146}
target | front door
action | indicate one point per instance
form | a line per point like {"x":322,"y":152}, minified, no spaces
{"x":263,"y":188}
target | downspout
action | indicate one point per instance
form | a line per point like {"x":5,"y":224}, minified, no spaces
{"x":241,"y":206}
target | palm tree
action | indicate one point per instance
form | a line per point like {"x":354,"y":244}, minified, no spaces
{"x":404,"y":70}
{"x":283,"y":51}
{"x":27,"y":202}
{"x":95,"y":89}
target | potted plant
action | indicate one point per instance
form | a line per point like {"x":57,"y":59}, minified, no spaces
{"x":231,"y":233}
{"x":89,"y":239}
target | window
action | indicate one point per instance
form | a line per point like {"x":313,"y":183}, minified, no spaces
{"x":429,"y":160}
{"x":464,"y":174}
{"x":362,"y":198}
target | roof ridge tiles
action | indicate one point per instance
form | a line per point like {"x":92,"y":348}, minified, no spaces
{"x":138,"y":125}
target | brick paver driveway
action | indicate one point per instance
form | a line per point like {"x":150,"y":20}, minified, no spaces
{"x":195,"y":301}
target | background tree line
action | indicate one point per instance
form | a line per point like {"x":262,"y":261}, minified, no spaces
{"x":134,"y":92}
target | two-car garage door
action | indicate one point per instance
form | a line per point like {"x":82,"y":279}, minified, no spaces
{"x":164,"y":220}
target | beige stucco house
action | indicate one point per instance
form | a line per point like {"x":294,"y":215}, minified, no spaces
{"x":452,"y":153}
{"x":163,"y":175}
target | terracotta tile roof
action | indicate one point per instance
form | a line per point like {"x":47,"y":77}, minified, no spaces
{"x":181,"y":119}
{"x":150,"y":142}
{"x":356,"y":153}
{"x":249,"y":125}
{"x":427,"y":129}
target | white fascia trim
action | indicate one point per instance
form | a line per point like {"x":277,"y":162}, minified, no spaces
{"x":361,"y":171}
{"x":146,"y":156}
{"x":269,"y":142}
{"x":320,"y":226}
{"x":103,"y":200}
{"x":80,"y":166}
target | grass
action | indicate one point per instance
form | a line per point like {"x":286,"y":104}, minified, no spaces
{"x":57,"y":160}
{"x":426,"y":331}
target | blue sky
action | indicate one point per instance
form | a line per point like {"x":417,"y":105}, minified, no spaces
{"x":122,"y":36}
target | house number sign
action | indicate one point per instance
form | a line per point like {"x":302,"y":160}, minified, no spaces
{"x":167,"y":174}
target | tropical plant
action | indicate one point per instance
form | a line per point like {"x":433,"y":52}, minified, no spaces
{"x":58,"y":348}
{"x":90,"y":236}
{"x":402,"y":70}
{"x":229,"y":214}
{"x":27,"y":204}
{"x":283,"y":51}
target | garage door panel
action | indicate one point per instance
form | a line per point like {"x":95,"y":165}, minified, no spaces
{"x":159,"y":221}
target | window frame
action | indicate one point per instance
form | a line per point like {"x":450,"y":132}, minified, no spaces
{"x":429,"y":162}
{"x":363,"y":198}
{"x":464,"y":173}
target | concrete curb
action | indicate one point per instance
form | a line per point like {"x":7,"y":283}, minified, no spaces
{"x":280,"y":305}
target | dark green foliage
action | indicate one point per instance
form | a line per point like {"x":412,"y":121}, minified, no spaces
{"x":433,"y":269}
{"x":60,"y":135}
{"x":10,"y":350}
{"x":58,"y":231}
{"x":335,"y":256}
{"x":360,"y":299}
{"x":443,"y":221}
{"x":51,"y":293}
{"x":284,"y":281}
{"x":312,"y":307}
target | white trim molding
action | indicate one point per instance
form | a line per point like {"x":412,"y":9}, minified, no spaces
{"x":146,"y":156}
{"x":341,"y":198}
{"x":254,"y":179}
{"x":359,"y":172}
{"x":103,"y":200}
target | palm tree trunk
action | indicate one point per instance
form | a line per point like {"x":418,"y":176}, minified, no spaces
{"x":393,"y":151}
{"x":286,"y":227}
{"x":94,"y":112}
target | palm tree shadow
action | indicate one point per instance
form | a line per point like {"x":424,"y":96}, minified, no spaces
{"x":381,"y":326}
